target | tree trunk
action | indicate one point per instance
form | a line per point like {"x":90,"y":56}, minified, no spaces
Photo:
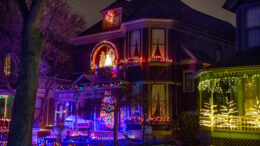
{"x":23,"y":110}
{"x":48,"y":86}
{"x":116,"y":125}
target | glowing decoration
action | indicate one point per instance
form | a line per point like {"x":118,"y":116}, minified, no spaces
{"x":254,"y":114}
{"x":110,"y":17}
{"x":160,"y":59}
{"x":133,"y":60}
{"x":107,"y":111}
{"x":105,"y":135}
{"x":207,"y":117}
{"x":104,"y":54}
{"x":5,"y":97}
{"x":227,"y":112}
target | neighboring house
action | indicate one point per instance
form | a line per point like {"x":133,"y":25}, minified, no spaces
{"x":8,"y":78}
{"x":229,"y":91}
{"x":156,"y":46}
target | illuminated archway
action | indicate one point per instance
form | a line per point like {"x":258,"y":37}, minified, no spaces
{"x":104,"y":54}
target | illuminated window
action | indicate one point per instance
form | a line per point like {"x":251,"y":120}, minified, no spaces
{"x":158,"y":101}
{"x":135,"y":43}
{"x":250,"y":92}
{"x":7,"y":66}
{"x":158,"y":42}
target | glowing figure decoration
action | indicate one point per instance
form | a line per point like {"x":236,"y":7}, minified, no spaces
{"x":104,"y":54}
{"x":102,"y":59}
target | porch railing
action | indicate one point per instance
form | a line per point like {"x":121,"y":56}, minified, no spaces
{"x":233,"y":123}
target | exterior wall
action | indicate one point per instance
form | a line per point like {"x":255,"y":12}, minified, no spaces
{"x":206,"y":49}
{"x":241,"y":16}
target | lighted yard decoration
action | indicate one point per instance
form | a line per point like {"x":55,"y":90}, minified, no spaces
{"x":103,"y":55}
{"x":228,"y":111}
{"x":207,"y":117}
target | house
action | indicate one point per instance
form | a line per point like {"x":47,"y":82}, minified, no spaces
{"x":44,"y":101}
{"x":155,"y":46}
{"x":229,"y":90}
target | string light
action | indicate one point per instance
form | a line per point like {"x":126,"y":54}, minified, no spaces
{"x":160,"y":59}
{"x":110,"y":16}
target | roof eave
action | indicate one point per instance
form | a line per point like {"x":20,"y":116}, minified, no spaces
{"x":231,"y":5}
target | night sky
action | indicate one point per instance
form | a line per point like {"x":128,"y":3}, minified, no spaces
{"x":90,"y":9}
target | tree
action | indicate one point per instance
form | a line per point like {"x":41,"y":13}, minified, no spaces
{"x":58,"y":26}
{"x":126,"y":96}
{"x":10,"y":40}
{"x":31,"y":50}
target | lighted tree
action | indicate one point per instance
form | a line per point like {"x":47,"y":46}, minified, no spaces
{"x":207,"y":114}
{"x":227,"y":112}
{"x":254,"y":114}
{"x":107,"y":111}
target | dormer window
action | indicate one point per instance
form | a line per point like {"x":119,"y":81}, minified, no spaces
{"x":111,"y":18}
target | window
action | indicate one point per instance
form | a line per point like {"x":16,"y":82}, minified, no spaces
{"x":253,"y":27}
{"x":158,"y":42}
{"x":188,"y":81}
{"x":158,"y":101}
{"x":135,"y":44}
{"x":250,"y":92}
{"x":7,"y":66}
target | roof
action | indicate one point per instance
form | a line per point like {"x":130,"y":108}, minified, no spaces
{"x":118,"y":4}
{"x":182,"y":52}
{"x":241,"y":58}
{"x":169,"y":9}
{"x":231,"y":5}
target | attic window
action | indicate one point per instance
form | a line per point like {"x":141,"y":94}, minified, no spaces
{"x":111,"y":19}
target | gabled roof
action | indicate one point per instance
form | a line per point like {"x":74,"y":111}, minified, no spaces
{"x":169,"y":9}
{"x":190,"y":52}
{"x":241,"y":58}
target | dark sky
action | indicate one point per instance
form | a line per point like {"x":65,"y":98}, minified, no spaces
{"x":90,"y":9}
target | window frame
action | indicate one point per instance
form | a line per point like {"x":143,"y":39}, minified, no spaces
{"x":254,"y":27}
{"x":184,"y":81}
{"x":130,"y":45}
{"x":165,"y":41}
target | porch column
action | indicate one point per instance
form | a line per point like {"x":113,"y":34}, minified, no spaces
{"x":55,"y":114}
